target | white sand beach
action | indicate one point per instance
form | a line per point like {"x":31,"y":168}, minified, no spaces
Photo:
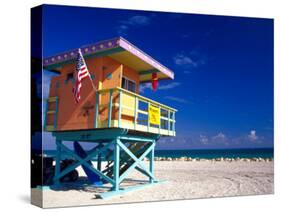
{"x":183,"y":180}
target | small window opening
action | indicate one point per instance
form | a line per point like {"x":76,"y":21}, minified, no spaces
{"x":128,"y":84}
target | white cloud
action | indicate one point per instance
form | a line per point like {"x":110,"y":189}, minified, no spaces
{"x":145,"y":86}
{"x":252,"y":136}
{"x":137,"y":20}
{"x":122,"y":29}
{"x":183,"y":60}
{"x":221,"y":139}
{"x":219,"y":136}
{"x":134,"y":21}
{"x":176,"y":99}
{"x":189,"y":61}
{"x":203,"y":139}
{"x":168,"y":86}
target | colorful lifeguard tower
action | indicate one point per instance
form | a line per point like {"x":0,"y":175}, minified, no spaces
{"x":124,"y":125}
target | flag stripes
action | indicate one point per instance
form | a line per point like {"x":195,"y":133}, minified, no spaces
{"x":81,"y":73}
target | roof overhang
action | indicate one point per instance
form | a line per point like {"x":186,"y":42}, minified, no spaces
{"x":120,"y":50}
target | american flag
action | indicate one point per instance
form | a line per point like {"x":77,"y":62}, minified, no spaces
{"x":81,"y":73}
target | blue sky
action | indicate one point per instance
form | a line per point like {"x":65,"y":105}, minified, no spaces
{"x":223,"y":86}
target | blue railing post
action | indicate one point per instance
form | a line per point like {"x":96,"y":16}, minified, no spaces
{"x":97,"y":110}
{"x":148,"y":123}
{"x":174,"y":121}
{"x":159,"y":126}
{"x":110,"y":108}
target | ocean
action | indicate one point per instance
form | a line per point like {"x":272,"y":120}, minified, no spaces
{"x":217,"y":153}
{"x":207,"y":153}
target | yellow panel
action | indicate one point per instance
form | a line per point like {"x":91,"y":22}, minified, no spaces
{"x":129,"y":102}
{"x":52,"y":99}
{"x":131,"y":60}
{"x":154,"y":115}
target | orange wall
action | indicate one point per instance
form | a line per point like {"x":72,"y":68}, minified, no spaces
{"x":74,"y":116}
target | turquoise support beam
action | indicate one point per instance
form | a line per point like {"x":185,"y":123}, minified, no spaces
{"x":142,"y":171}
{"x":139,"y":162}
{"x":90,"y":135}
{"x":137,"y":138}
{"x":125,"y":174}
{"x":151,"y":163}
{"x":83,"y":162}
{"x":57,"y":167}
{"x":116,"y":165}
{"x":127,"y":149}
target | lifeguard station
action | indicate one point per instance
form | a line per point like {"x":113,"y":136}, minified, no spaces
{"x":123,"y":124}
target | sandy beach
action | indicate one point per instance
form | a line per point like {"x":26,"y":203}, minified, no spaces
{"x":182,"y":180}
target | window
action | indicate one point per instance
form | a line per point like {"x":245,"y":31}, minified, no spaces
{"x":128,"y":84}
{"x":69,"y":77}
{"x":131,"y":86}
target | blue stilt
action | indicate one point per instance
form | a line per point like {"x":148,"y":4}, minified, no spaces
{"x":99,"y":159}
{"x":57,"y":167}
{"x":151,"y":163}
{"x":116,"y":165}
